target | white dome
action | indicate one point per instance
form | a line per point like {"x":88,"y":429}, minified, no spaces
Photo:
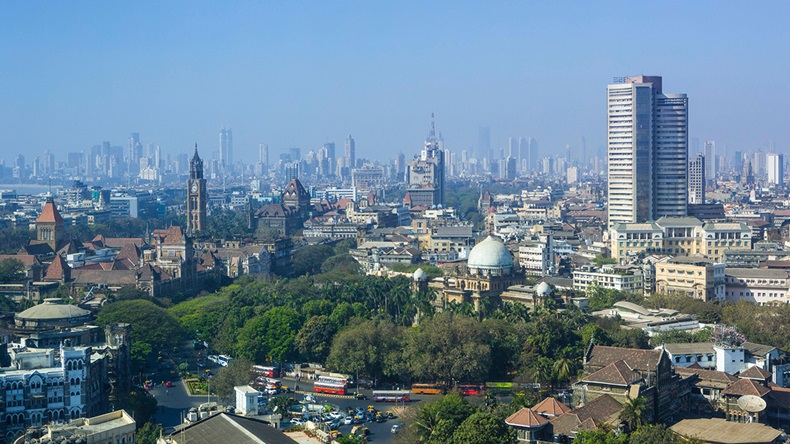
{"x":420,"y":275}
{"x":490,"y":254}
{"x":543,"y":289}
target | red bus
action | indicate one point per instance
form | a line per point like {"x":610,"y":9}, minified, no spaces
{"x":471,"y":389}
{"x":267,"y":371}
{"x":391,"y":396}
{"x":333,"y":388}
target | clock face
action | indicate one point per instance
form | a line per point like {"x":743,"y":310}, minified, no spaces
{"x":194,"y":188}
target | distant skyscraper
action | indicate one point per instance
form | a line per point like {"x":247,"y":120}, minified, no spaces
{"x":582,"y":155}
{"x":350,"y":157}
{"x":226,"y":148}
{"x":737,"y":162}
{"x":484,"y":143}
{"x":263,"y":154}
{"x":647,"y":151}
{"x":776,"y":168}
{"x":697,"y":179}
{"x":710,"y":160}
{"x":532,"y":153}
{"x":296,"y":153}
{"x":512,"y":147}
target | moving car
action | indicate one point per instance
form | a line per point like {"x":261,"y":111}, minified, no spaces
{"x":395,"y":428}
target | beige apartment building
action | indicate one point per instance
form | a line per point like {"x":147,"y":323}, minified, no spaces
{"x":695,"y":277}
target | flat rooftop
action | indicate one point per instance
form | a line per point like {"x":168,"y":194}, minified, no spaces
{"x":719,"y":431}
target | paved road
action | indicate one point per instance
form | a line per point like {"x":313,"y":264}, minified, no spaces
{"x":175,"y":402}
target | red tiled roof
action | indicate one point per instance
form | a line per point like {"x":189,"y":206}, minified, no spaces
{"x":174,"y":236}
{"x":526,"y":418}
{"x":56,"y":270}
{"x":551,"y":407}
{"x":637,"y":359}
{"x":596,"y":412}
{"x":129,"y":252}
{"x":50,"y":214}
{"x":746,"y":387}
{"x":616,"y":373}
{"x":28,"y":260}
{"x":755,"y":372}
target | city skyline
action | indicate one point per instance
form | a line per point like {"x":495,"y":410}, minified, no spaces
{"x":290,"y":76}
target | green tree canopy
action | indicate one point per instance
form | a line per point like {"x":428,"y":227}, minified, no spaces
{"x":270,"y":337}
{"x":151,"y":325}
{"x":11,"y":270}
{"x":314,"y":340}
{"x":448,"y":348}
{"x":437,"y":421}
{"x":372,"y":348}
{"x":483,"y":428}
{"x":236,"y":373}
{"x":654,"y":434}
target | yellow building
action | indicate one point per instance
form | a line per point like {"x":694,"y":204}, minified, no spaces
{"x":695,"y":277}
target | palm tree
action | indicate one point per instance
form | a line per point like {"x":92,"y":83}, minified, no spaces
{"x":563,"y":368}
{"x":634,"y":412}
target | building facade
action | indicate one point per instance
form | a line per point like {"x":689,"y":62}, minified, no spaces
{"x":697,"y":180}
{"x":679,"y":236}
{"x":647,"y":151}
{"x":426,"y":174}
{"x":695,"y":277}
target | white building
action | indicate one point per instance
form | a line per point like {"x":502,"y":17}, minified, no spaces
{"x":758,"y":285}
{"x":537,"y":256}
{"x":610,"y":277}
{"x":697,"y":180}
{"x":647,"y":151}
{"x":776,"y":168}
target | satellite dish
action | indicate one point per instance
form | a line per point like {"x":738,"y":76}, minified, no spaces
{"x":751,"y":403}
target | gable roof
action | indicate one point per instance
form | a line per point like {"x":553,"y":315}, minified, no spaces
{"x":616,"y":373}
{"x":710,"y":376}
{"x":173,"y":236}
{"x":131,"y":253}
{"x":598,"y":411}
{"x":755,"y":372}
{"x":28,"y":260}
{"x":57,"y":270}
{"x":526,"y":418}
{"x":637,"y":359}
{"x":36,"y":248}
{"x":746,"y":387}
{"x":224,"y":427}
{"x":551,"y":407}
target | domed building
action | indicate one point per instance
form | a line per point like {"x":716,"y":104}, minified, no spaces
{"x":490,"y":270}
{"x":53,"y":313}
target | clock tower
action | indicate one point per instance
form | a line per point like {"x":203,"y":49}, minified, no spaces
{"x":196,"y":196}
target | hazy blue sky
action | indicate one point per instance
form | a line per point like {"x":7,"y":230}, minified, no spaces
{"x":300,"y":73}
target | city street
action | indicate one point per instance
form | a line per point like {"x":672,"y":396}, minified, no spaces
{"x":174,"y":402}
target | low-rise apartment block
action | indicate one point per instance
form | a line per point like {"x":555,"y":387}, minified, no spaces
{"x":695,"y":277}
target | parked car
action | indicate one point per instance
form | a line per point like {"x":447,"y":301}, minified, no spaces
{"x":297,"y":421}
{"x":348,"y":420}
{"x":395,"y":428}
{"x":169,"y":384}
